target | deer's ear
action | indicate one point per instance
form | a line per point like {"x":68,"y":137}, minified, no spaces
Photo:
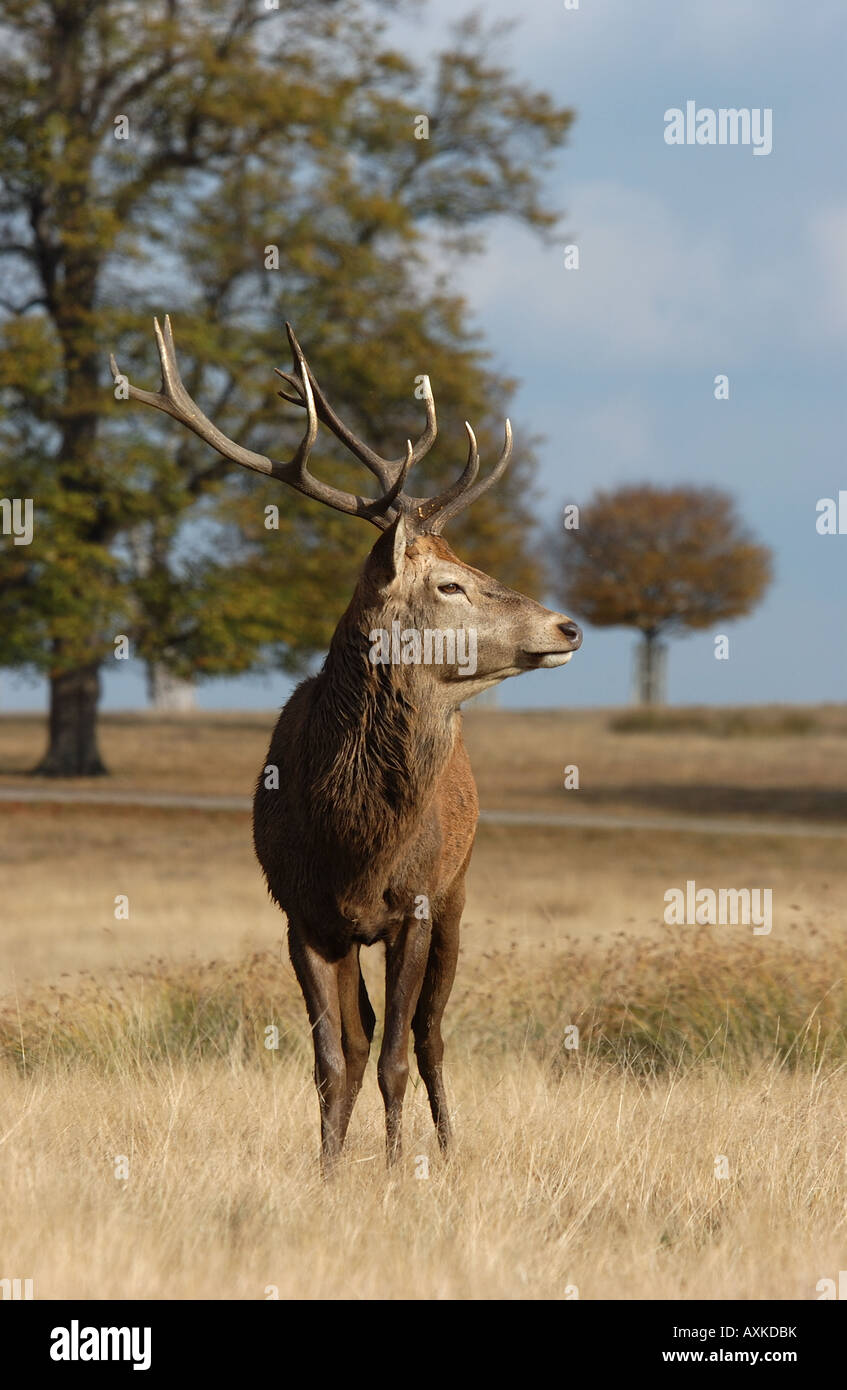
{"x":389,"y":554}
{"x":398,"y":549}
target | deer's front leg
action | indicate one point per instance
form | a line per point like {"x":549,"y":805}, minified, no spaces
{"x":357,"y":1029}
{"x":437,"y":984}
{"x":405,"y":966}
{"x":318,"y":979}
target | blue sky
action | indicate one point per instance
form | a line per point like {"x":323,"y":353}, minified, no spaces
{"x":694,"y":261}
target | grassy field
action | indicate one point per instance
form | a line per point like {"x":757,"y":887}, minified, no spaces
{"x":591,"y":1168}
{"x":775,"y":762}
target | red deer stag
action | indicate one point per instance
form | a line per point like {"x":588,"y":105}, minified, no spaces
{"x":369,"y":834}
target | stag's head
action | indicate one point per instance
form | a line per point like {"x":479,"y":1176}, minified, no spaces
{"x":461,"y":631}
{"x":412,"y":583}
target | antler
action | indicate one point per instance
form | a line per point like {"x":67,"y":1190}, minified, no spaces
{"x":431,"y":513}
{"x":427,"y":514}
{"x":386,"y":470}
{"x":174,"y":400}
{"x":465,"y":490}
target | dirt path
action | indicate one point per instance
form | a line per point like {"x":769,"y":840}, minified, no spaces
{"x":700,"y":825}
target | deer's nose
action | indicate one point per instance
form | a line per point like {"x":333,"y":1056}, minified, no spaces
{"x":572,"y":632}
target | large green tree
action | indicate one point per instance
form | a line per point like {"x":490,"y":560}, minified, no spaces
{"x":237,"y":165}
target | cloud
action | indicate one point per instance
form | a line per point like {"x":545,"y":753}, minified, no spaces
{"x":828,"y":235}
{"x":619,"y":432}
{"x":618,"y":35}
{"x":756,"y":26}
{"x":656,"y":288}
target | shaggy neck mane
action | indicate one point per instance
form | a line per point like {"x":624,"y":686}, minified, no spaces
{"x":377,"y":741}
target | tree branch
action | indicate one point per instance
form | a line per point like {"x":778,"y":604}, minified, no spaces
{"x":16,"y":309}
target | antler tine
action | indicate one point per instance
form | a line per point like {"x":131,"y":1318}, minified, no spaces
{"x":298,"y":475}
{"x":462,"y":494}
{"x":386,"y":470}
{"x":430,"y":506}
{"x":174,"y":400}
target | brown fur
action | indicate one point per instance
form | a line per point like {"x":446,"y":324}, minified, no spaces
{"x":373,"y":822}
{"x":368,"y":833}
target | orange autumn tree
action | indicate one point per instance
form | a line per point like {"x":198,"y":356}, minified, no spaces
{"x":664,"y":561}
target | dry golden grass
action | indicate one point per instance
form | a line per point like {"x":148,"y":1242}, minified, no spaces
{"x":593,"y":1168}
{"x":640,"y":1007}
{"x":194,"y":887}
{"x":589,"y":1179}
{"x":518,"y":759}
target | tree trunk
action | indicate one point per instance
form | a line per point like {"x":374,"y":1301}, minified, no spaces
{"x":72,"y":750}
{"x":169,"y":694}
{"x":651,"y":670}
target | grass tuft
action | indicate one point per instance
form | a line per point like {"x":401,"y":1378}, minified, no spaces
{"x":640,"y":1006}
{"x":192,"y":1013}
{"x":720,"y":723}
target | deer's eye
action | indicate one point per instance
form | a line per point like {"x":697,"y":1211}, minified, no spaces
{"x":450,"y":589}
